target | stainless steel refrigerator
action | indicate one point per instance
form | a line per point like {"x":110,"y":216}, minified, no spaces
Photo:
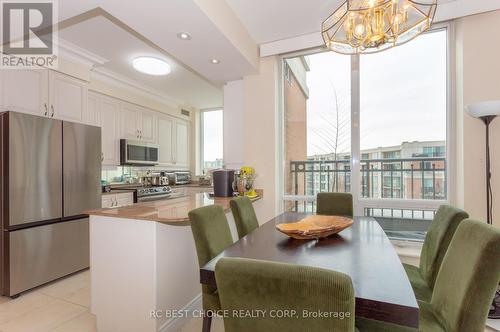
{"x":50,"y":175}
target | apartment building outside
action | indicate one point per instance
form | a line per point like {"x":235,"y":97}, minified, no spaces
{"x":412,"y":170}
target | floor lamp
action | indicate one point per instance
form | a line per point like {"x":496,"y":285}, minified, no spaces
{"x":486,"y":111}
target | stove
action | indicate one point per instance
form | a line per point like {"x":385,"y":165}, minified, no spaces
{"x":153,"y":193}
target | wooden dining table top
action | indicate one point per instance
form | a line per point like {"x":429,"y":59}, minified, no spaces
{"x":363,"y":251}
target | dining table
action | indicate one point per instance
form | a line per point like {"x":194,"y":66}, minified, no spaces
{"x":362,"y":251}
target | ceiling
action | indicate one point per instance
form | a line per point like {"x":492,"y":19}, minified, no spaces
{"x":106,"y":39}
{"x":228,"y":30}
{"x":161,"y":21}
{"x":272,"y":20}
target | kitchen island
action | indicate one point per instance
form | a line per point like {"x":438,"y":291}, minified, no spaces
{"x":143,"y":263}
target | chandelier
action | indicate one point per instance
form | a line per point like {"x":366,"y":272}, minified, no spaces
{"x":370,"y":26}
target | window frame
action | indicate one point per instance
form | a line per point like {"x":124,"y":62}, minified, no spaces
{"x":201,"y":163}
{"x":361,"y":203}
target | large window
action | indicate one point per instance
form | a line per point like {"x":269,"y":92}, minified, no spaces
{"x":399,"y":134}
{"x":317,"y":100}
{"x":212,"y":139}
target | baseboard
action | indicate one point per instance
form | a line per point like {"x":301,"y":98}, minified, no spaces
{"x":175,"y":324}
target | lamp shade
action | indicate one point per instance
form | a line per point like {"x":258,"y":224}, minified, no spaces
{"x":484,"y":108}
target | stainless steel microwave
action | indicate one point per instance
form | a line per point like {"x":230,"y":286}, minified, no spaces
{"x":138,"y":153}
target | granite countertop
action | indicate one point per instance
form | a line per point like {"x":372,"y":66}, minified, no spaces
{"x":167,"y":211}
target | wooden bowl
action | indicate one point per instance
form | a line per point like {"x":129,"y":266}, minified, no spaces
{"x":313,"y":227}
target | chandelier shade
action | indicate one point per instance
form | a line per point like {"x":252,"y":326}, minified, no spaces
{"x":370,"y":26}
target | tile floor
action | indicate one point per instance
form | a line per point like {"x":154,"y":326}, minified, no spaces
{"x":63,"y":306}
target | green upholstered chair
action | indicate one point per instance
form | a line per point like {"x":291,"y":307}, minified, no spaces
{"x":334,"y":204}
{"x":246,"y":284}
{"x":436,"y":243}
{"x":465,"y":284}
{"x":211,"y":236}
{"x":244,"y":215}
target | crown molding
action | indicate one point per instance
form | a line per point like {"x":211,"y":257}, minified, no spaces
{"x":74,"y":53}
{"x":121,"y":81}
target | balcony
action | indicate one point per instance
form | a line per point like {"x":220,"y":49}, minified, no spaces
{"x":383,"y":181}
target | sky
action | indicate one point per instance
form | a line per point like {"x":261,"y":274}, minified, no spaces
{"x":212,"y":135}
{"x":403,"y":96}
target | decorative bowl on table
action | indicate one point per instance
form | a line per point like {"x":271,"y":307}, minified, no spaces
{"x":314,"y":227}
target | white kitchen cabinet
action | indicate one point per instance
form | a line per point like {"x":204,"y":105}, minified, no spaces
{"x":67,"y":97}
{"x":25,"y":91}
{"x":117,"y":200}
{"x":181,"y":144}
{"x":44,"y":92}
{"x":125,"y":199}
{"x":137,"y":123}
{"x":109,"y":115}
{"x":129,"y":127}
{"x":119,"y":119}
{"x":173,"y":140}
{"x":166,"y":140}
{"x":92,"y":116}
{"x":147,"y":126}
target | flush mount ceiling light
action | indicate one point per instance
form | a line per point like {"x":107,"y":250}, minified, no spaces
{"x":151,"y":66}
{"x":214,"y":61}
{"x":370,"y":26}
{"x":184,"y":36}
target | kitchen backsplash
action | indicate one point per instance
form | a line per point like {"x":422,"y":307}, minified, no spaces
{"x":119,"y":174}
{"x":126,"y":174}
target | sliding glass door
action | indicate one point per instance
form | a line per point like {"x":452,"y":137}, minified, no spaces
{"x":374,"y":125}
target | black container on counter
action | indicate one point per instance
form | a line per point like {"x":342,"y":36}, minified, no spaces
{"x":223,"y":182}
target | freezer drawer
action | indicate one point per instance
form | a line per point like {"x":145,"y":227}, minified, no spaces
{"x":41,"y":254}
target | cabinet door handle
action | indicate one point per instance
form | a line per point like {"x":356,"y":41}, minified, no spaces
{"x":52,"y":109}
{"x":102,"y":157}
{"x":46,"y":109}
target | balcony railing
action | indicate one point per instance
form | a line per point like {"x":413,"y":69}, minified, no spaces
{"x":405,"y":178}
{"x":399,"y":179}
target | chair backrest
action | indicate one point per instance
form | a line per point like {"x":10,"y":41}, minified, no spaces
{"x":210,"y":231}
{"x":334,"y":204}
{"x":244,"y":215}
{"x":468,"y":278}
{"x":438,"y":239}
{"x":253,"y":285}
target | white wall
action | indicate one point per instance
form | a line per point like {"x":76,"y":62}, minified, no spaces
{"x":251,"y":131}
{"x":234,"y":124}
{"x":260,"y":139}
{"x":478,"y":79}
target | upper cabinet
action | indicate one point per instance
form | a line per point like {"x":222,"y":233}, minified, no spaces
{"x":181,"y":144}
{"x":109,"y":115}
{"x":148,"y":126}
{"x":92,"y":116}
{"x":52,"y":94}
{"x":67,"y":97}
{"x":44,"y":92}
{"x":166,"y":140}
{"x":138,"y":123}
{"x":25,"y":91}
{"x":129,"y":127}
{"x":173,"y":139}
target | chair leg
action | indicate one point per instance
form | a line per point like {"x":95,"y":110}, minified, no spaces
{"x":207,"y":323}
